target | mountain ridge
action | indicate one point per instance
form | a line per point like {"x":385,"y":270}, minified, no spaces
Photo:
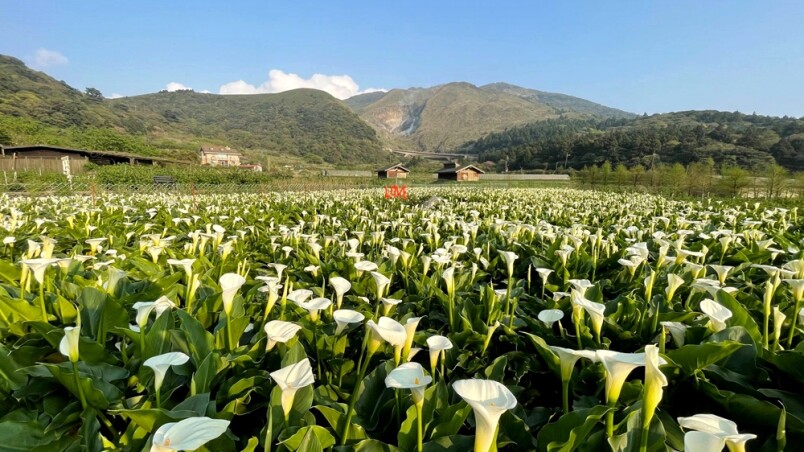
{"x":443,"y":117}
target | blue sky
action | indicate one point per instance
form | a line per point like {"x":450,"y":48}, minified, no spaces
{"x":641,"y":56}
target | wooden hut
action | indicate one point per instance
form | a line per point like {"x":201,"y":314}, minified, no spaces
{"x":453,"y":171}
{"x":393,"y":172}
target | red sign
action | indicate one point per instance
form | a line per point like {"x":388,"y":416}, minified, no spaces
{"x":395,"y":191}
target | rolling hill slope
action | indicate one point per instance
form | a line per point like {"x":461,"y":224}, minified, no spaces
{"x":306,"y":124}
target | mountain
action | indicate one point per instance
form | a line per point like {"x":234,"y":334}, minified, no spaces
{"x":304,"y":124}
{"x":749,"y":141}
{"x":443,"y":117}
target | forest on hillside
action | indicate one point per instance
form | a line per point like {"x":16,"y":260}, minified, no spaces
{"x":747,"y":141}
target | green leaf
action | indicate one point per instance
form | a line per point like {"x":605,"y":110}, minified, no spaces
{"x":451,"y":420}
{"x":455,"y":443}
{"x":692,"y":358}
{"x":334,"y":417}
{"x":571,"y":430}
{"x":372,"y":445}
{"x":25,"y":436}
{"x":99,"y":313}
{"x":90,"y":432}
{"x":311,"y":438}
{"x":10,"y":378}
{"x":151,"y":419}
{"x":740,"y":316}
{"x":496,"y":371}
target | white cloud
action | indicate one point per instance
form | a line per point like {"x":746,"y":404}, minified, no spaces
{"x":175,"y":86}
{"x":115,"y":96}
{"x":48,"y":58}
{"x":340,"y":86}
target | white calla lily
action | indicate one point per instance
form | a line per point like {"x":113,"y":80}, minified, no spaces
{"x":346,"y":317}
{"x":409,"y":376}
{"x":187,"y":434}
{"x":230,"y":283}
{"x":717,"y":313}
{"x":410,"y":330}
{"x":69,"y":343}
{"x":341,"y":286}
{"x":279,"y":331}
{"x":437,"y":346}
{"x":489,"y":400}
{"x":160,"y":365}
{"x":292,"y":378}
{"x":314,"y":306}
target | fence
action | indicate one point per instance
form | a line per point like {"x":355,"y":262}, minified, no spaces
{"x":10,"y":164}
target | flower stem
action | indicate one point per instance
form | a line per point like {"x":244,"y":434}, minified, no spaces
{"x":80,"y":388}
{"x":610,"y":423}
{"x":793,"y":322}
{"x":353,"y":400}
{"x":419,"y":433}
{"x":565,"y":395}
{"x":578,"y":334}
{"x":269,"y":430}
{"x":42,"y":300}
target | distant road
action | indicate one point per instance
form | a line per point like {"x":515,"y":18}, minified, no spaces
{"x":429,"y":155}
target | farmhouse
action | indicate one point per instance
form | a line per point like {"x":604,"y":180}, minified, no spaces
{"x":220,"y":156}
{"x":452,"y":171}
{"x":393,"y":172}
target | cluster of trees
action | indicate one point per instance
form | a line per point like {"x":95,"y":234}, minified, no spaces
{"x":695,"y":179}
{"x":735,"y":139}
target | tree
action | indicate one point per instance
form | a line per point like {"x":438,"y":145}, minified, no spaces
{"x":775,"y":180}
{"x":637,"y":172}
{"x":676,"y":177}
{"x":605,"y":172}
{"x":621,"y":175}
{"x":94,"y":94}
{"x":733,"y":179}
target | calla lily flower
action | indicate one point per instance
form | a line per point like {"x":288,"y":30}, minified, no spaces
{"x":69,"y":343}
{"x":341,"y":286}
{"x":279,"y":269}
{"x":365,"y":266}
{"x":509,"y":257}
{"x":550,"y":316}
{"x":314,"y":306}
{"x":292,"y":378}
{"x":279,"y":331}
{"x":345,"y":317}
{"x":695,"y":441}
{"x":655,"y":381}
{"x":797,"y":287}
{"x":185,"y":264}
{"x":720,"y":427}
{"x":299,"y":295}
{"x":618,"y":367}
{"x":438,"y":346}
{"x":678,"y":332}
{"x":596,"y":311}
{"x":187,"y":434}
{"x":381,"y":282}
{"x":567,"y":359}
{"x":410,"y":330}
{"x":673,"y":283}
{"x":388,"y":304}
{"x":94,"y":244}
{"x":144,"y":309}
{"x":409,"y":376}
{"x":448,"y":276}
{"x":718,"y":314}
{"x":230,"y":283}
{"x":489,"y":400}
{"x":160,"y":365}
{"x":38,"y":266}
{"x":386,"y":329}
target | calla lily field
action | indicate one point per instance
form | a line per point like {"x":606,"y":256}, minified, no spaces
{"x":510,"y":319}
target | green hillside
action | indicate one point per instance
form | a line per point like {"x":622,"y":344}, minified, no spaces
{"x":306,"y":125}
{"x":445,"y":116}
{"x":749,"y":141}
